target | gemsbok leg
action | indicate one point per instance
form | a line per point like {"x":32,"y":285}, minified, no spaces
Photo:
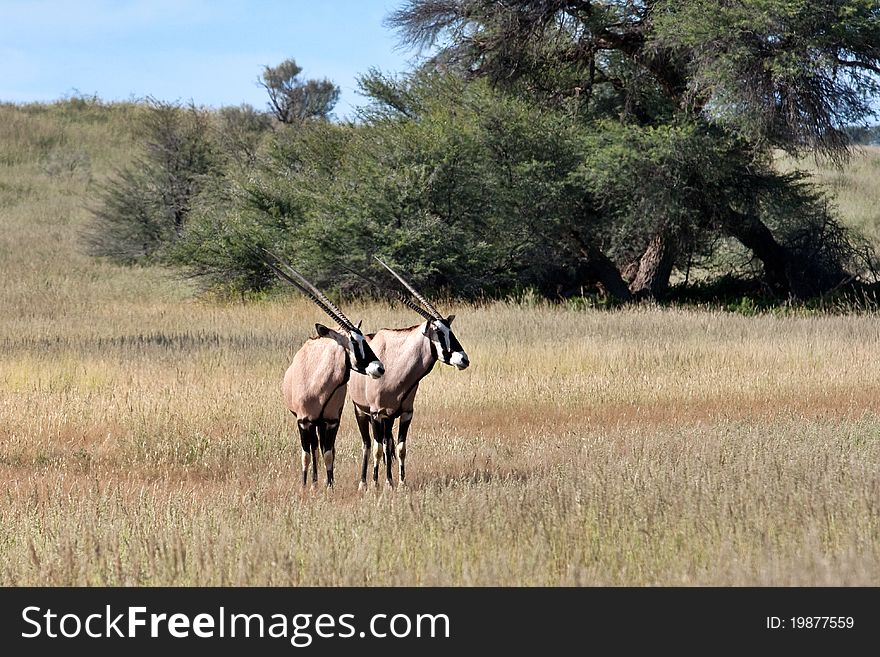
{"x":308,"y":439}
{"x":378,"y":442}
{"x":327,"y":431}
{"x":363,"y":422}
{"x":402,"y":430}
{"x":388,"y":439}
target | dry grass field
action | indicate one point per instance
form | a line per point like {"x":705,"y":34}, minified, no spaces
{"x":143,"y":439}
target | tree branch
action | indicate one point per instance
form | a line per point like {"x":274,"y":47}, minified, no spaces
{"x":854,"y":63}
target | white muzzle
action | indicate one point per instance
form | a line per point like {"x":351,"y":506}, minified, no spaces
{"x":375,"y":369}
{"x":459,"y":359}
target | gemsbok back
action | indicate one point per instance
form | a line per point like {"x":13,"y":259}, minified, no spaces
{"x":409,"y":355}
{"x":315,"y":383}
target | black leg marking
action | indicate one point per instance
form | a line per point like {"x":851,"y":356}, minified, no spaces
{"x":378,"y":437}
{"x":401,"y":448}
{"x":314,"y":455}
{"x":387,"y":428}
{"x":327,"y":431}
{"x":363,"y":422}
{"x":402,"y":431}
{"x":403,"y":427}
{"x":305,"y":440}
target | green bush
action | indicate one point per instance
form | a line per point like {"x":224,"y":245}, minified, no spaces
{"x":144,"y":208}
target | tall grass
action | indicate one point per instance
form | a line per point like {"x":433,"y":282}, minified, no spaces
{"x":144,"y":441}
{"x":854,"y":188}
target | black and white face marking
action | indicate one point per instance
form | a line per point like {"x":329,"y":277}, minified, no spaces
{"x":449,"y":350}
{"x":363,"y":360}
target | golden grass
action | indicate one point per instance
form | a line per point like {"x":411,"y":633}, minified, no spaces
{"x":143,"y":439}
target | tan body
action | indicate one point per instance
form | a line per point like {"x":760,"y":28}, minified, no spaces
{"x":314,"y":384}
{"x":314,"y":390}
{"x":408,"y":357}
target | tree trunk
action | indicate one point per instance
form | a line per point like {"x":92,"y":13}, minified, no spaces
{"x":629,"y":271}
{"x":601,"y":266}
{"x":754,"y":235}
{"x":655,"y":266}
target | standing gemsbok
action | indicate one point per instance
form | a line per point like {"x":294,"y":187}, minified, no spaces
{"x":315,"y":383}
{"x":409,"y":355}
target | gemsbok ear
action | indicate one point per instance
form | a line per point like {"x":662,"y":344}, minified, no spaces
{"x":449,"y":319}
{"x":322,"y":330}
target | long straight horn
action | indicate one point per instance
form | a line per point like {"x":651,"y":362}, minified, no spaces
{"x":409,"y":303}
{"x":436,"y":314}
{"x":296,"y":279}
{"x":405,"y":300}
{"x":315,"y":291}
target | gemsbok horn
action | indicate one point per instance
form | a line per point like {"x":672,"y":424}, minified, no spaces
{"x":409,"y":355}
{"x":315,"y":383}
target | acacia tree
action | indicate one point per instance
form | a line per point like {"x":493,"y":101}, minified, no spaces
{"x":747,"y":76}
{"x":294,"y":100}
{"x":468,"y":196}
{"x":144,"y":207}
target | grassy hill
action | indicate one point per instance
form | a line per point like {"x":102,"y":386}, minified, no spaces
{"x":143,"y":440}
{"x":52,"y":160}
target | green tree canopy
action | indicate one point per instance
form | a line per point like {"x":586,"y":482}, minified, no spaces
{"x":745,"y":76}
{"x":294,"y":100}
{"x":561,"y":145}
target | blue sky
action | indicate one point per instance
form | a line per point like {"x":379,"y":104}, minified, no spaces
{"x":210,"y":52}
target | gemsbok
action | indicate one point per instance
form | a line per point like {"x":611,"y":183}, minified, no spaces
{"x":409,"y":354}
{"x":315,"y":383}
